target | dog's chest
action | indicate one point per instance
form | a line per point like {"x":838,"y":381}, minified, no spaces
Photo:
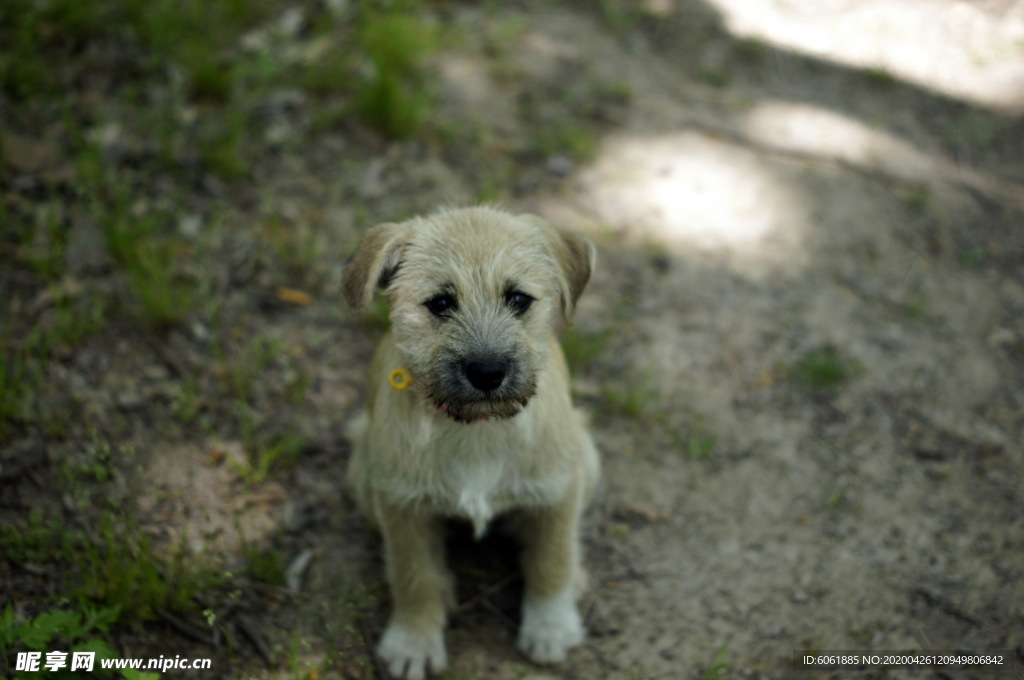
{"x":478,"y":480}
{"x":479,"y":492}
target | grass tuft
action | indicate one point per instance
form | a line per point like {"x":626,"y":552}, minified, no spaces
{"x":393,"y":97}
{"x":581,"y":349}
{"x":823,"y":368}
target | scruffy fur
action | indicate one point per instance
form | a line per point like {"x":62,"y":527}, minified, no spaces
{"x":486,"y":426}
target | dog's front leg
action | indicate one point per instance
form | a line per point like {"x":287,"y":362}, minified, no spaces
{"x":413,"y":644}
{"x":551,"y":623}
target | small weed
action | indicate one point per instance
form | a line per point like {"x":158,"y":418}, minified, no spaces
{"x":918,"y":198}
{"x":915,"y":307}
{"x":31,"y":32}
{"x":880,"y":76}
{"x":581,"y":349}
{"x":294,"y":246}
{"x":14,"y":386}
{"x":328,"y":116}
{"x":1017,"y":350}
{"x":617,"y":16}
{"x":120,"y":569}
{"x":329,"y":73}
{"x":165,"y":297}
{"x":836,"y":499}
{"x":618,"y":530}
{"x":115,"y":569}
{"x":714,"y":76}
{"x":44,"y":250}
{"x":123,"y":231}
{"x":634,"y":401}
{"x":567,"y":137}
{"x":393,"y":98}
{"x":700,"y":444}
{"x":67,"y":324}
{"x":36,"y":541}
{"x":266,"y":566}
{"x":69,"y":630}
{"x":750,"y":48}
{"x":504,"y":33}
{"x":241,"y":370}
{"x":974,"y":257}
{"x":285,"y":448}
{"x":264,"y":453}
{"x":823,"y":368}
{"x":977,"y":131}
{"x":719,"y":666}
{"x":188,"y":402}
{"x":221,"y":147}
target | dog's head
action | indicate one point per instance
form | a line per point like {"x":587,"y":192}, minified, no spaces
{"x":475,"y":294}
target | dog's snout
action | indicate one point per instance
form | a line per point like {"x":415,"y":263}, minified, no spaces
{"x":486,"y":375}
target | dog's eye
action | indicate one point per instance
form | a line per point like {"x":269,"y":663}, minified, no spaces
{"x":441,"y":304}
{"x":518,"y":302}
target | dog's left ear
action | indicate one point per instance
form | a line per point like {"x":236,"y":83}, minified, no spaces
{"x":374,"y":263}
{"x":575,"y":255}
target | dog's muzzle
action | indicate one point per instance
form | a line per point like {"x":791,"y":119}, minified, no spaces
{"x":481,"y":387}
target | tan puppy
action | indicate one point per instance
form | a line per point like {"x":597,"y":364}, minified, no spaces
{"x":485,"y":426}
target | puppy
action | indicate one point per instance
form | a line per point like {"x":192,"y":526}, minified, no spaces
{"x":469,"y":415}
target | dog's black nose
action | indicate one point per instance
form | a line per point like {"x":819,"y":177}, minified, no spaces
{"x":485,"y":375}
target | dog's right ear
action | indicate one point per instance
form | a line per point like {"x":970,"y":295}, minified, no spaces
{"x":374,"y":263}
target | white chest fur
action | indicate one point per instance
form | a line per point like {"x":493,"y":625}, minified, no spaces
{"x":474,"y":471}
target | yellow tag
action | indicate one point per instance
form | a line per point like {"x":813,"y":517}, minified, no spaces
{"x":400,"y":379}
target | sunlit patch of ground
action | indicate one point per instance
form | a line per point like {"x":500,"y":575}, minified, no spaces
{"x":968,"y":50}
{"x":192,"y":496}
{"x":692,"y":192}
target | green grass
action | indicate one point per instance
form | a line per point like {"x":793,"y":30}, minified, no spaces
{"x":880,"y":76}
{"x":918,"y":198}
{"x":115,"y":568}
{"x":84,"y":629}
{"x":222,"y":147}
{"x":266,"y":566}
{"x":750,"y":48}
{"x":581,"y":349}
{"x":394,"y":97}
{"x":634,"y":400}
{"x":242,"y":368}
{"x":975,"y":257}
{"x":14,"y":387}
{"x":165,"y":298}
{"x":569,"y":137}
{"x":719,"y":667}
{"x":822,"y":369}
{"x":121,"y":569}
{"x":915,"y":307}
{"x":265,"y":455}
{"x":618,"y":17}
{"x":714,"y":76}
{"x":36,"y":541}
{"x":264,"y":452}
{"x":700,"y":444}
{"x":977,"y":131}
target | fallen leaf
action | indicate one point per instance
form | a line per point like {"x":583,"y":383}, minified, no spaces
{"x":294,"y":297}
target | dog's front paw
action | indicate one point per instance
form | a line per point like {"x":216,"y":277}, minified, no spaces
{"x":412,"y":655}
{"x":550,"y":628}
